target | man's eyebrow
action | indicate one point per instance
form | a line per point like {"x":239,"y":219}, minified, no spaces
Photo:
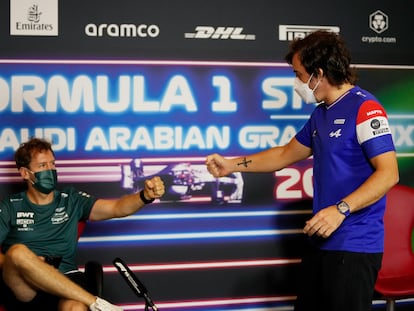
{"x":41,"y":162}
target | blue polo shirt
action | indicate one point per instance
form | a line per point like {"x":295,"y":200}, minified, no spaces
{"x":343,"y":137}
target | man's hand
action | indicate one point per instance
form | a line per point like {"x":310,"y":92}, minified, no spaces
{"x":324,"y":223}
{"x":154,"y":188}
{"x":216,"y":165}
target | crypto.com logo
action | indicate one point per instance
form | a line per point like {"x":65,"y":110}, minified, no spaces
{"x":378,"y":21}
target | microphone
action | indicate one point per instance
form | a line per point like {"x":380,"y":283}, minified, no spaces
{"x":136,"y":285}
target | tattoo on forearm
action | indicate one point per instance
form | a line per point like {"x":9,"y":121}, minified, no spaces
{"x":244,"y":162}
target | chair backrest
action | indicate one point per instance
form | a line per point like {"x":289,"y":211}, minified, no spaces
{"x":398,"y":257}
{"x":81,"y":227}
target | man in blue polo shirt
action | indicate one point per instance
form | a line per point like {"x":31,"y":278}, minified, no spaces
{"x":355,"y":165}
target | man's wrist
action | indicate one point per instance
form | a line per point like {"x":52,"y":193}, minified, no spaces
{"x":144,"y":199}
{"x":343,"y":208}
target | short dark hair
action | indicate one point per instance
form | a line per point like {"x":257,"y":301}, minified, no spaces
{"x":327,"y":51}
{"x":23,"y":155}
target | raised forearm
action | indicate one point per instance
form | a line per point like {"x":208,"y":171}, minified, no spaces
{"x":272,"y":159}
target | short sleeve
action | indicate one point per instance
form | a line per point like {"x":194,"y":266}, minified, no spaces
{"x":373,"y":130}
{"x":304,"y":136}
{"x":82,"y":203}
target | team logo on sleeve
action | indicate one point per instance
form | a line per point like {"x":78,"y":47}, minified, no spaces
{"x":372,"y":121}
{"x":60,"y":216}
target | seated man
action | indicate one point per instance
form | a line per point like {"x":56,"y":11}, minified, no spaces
{"x":42,"y":222}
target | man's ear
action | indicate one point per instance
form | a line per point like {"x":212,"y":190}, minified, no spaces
{"x":24,"y":172}
{"x":320,"y":73}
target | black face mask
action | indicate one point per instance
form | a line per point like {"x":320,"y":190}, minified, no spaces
{"x":45,"y":181}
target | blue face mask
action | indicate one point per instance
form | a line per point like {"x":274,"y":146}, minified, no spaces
{"x":45,"y":181}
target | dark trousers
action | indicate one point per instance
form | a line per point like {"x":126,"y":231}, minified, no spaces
{"x":337,"y":281}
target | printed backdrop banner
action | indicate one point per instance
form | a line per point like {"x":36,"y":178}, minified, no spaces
{"x":377,"y":32}
{"x":149,"y":108}
{"x":142,"y":88}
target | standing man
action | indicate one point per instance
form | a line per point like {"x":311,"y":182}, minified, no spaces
{"x":354,"y":166}
{"x":48,"y":228}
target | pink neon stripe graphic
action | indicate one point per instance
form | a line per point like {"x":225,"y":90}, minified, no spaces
{"x":144,"y":62}
{"x":91,"y":170}
{"x":225,"y":302}
{"x":217,"y":302}
{"x":180,"y":62}
{"x":207,"y":265}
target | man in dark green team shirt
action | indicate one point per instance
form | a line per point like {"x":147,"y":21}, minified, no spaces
{"x":42,"y":222}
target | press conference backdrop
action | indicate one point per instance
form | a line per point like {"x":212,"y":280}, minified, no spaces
{"x":131,"y":89}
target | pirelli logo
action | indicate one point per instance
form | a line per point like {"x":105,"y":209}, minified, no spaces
{"x":291,"y":32}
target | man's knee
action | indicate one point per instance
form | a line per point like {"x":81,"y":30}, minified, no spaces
{"x":14,"y":261}
{"x":18,"y":253}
